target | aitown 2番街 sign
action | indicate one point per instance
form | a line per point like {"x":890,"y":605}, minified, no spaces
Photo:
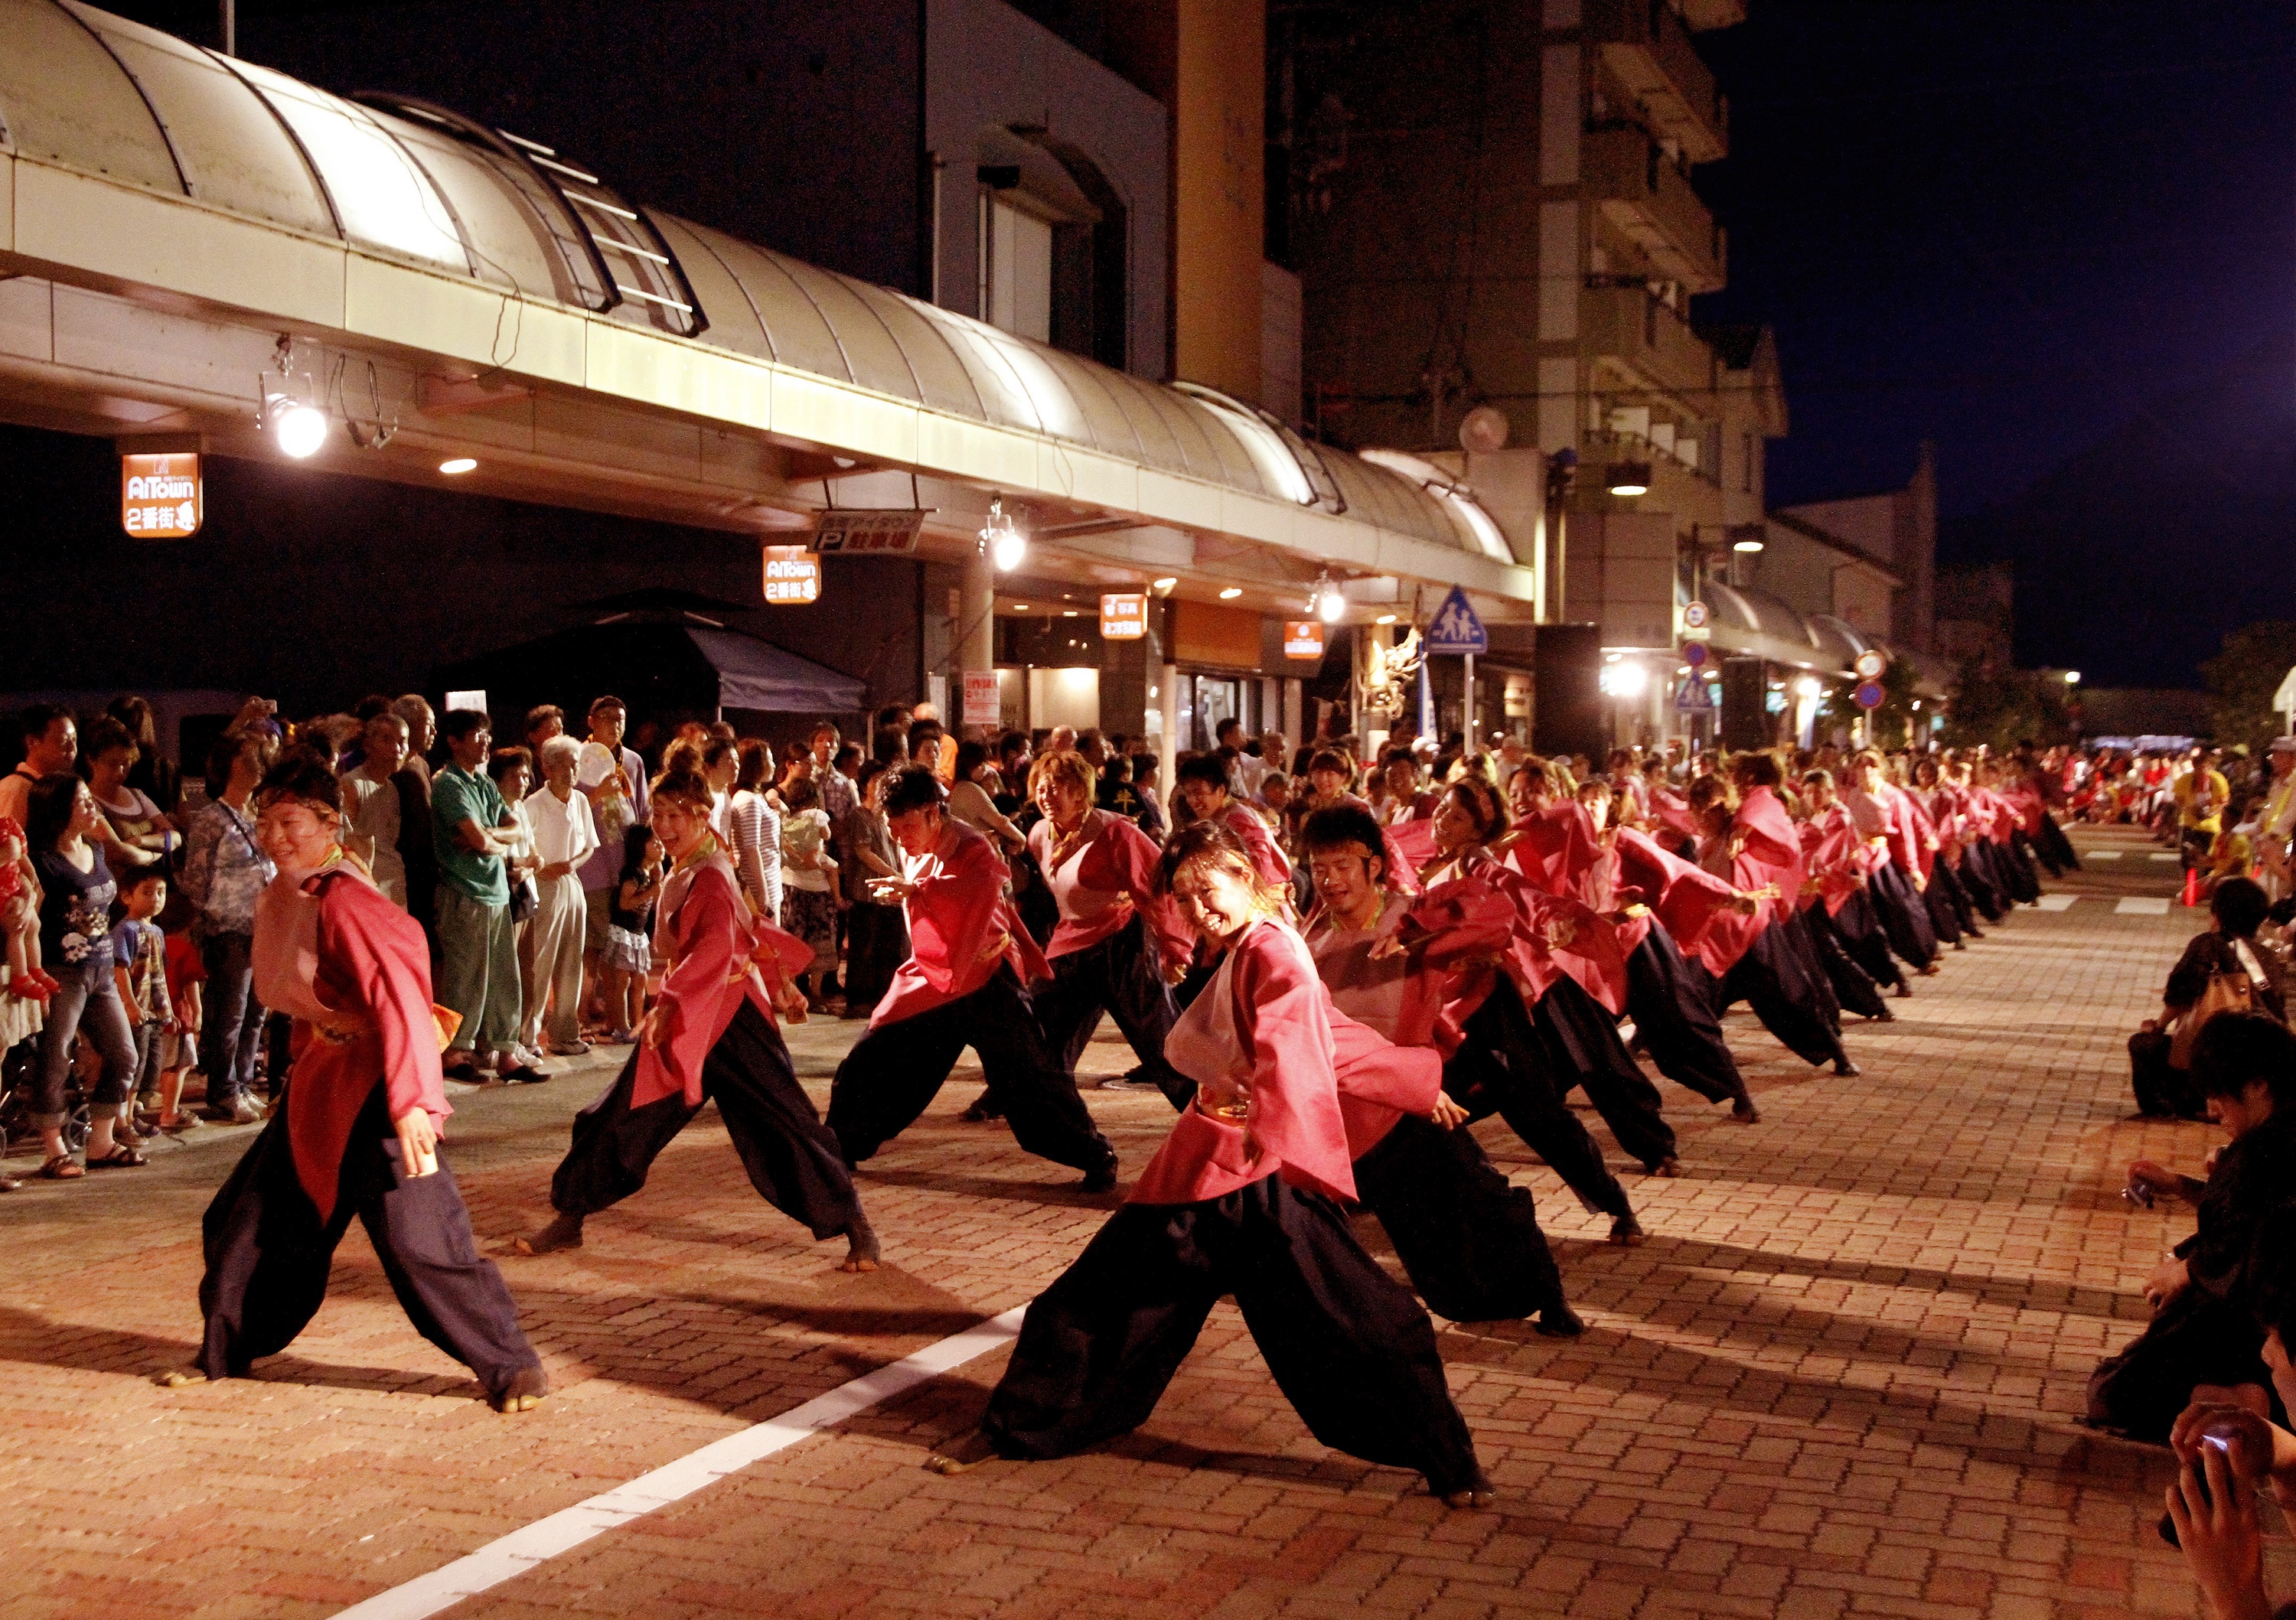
{"x":159,"y":496}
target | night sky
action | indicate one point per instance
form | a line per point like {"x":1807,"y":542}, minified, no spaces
{"x":2004,"y":225}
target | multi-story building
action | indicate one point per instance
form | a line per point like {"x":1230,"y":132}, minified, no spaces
{"x":1493,"y":209}
{"x":532,"y":313}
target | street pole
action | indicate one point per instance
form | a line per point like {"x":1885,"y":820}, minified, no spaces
{"x":1467,"y":705}
{"x":231,"y":28}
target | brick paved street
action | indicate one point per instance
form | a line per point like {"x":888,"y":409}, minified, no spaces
{"x":1839,"y":1379}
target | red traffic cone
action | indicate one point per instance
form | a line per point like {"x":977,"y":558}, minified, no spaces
{"x":2191,"y":885}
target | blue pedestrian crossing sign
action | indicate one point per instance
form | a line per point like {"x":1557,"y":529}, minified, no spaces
{"x":1455,"y":629}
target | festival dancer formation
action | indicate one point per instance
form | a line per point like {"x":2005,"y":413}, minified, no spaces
{"x":1327,"y":1005}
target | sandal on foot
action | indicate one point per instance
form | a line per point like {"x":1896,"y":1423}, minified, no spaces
{"x":121,"y":1158}
{"x":62,"y":1167}
{"x":1476,"y":1492}
{"x":181,"y":1377}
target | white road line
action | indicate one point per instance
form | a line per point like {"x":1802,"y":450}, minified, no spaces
{"x":2142,"y":905}
{"x":545,"y":1539}
{"x":2101,"y":855}
{"x":2164,"y":855}
{"x":2056,"y":903}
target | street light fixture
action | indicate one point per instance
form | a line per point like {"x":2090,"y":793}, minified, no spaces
{"x":1325,"y":602}
{"x":1745,"y":545}
{"x":2072,"y":677}
{"x":1627,"y":478}
{"x":1008,"y":547}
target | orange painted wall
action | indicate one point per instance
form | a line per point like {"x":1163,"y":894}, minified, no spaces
{"x":1207,"y":62}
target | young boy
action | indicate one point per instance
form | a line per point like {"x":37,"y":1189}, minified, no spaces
{"x":180,"y":1048}
{"x":139,"y":957}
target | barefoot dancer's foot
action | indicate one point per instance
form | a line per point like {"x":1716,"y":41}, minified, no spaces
{"x":961,"y":1453}
{"x":564,"y":1231}
{"x":182,"y":1378}
{"x":861,"y":1252}
{"x":528,"y":1386}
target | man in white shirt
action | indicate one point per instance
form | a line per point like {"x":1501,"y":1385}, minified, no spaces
{"x":565,"y":836}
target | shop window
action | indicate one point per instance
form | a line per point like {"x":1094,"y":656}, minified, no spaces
{"x":1016,"y":268}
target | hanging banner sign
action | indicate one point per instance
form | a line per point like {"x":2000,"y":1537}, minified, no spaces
{"x":160,"y":496}
{"x":867,"y":531}
{"x":1303,"y":639}
{"x":1123,"y":618}
{"x":792,"y":575}
{"x":982,"y":705}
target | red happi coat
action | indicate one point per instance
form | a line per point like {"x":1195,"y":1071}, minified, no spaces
{"x":718,"y":953}
{"x":1556,"y":849}
{"x":1108,"y":875}
{"x":353,"y":972}
{"x":1266,"y":1048}
{"x":961,"y":928}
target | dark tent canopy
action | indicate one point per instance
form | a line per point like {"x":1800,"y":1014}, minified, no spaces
{"x":665,"y":671}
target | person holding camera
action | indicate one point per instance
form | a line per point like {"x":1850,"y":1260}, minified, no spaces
{"x":2203,"y":1334}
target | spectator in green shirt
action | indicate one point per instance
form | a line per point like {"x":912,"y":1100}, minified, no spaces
{"x":478,"y":944}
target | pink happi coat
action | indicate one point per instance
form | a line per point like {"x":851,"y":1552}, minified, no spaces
{"x":1836,"y":863}
{"x":718,"y":953}
{"x":1266,"y":1048}
{"x":1107,"y":877}
{"x":962,"y":927}
{"x":353,"y":972}
{"x":1684,"y":895}
{"x":1267,"y":859}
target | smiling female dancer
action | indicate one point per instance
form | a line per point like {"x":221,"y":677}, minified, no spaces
{"x":1245,"y":1197}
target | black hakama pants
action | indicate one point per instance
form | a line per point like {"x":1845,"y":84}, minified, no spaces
{"x":1675,"y":1021}
{"x":2057,"y":848}
{"x":1501,"y":1068}
{"x":790,"y":1157}
{"x":1981,"y":876}
{"x":1945,"y":881}
{"x":1853,"y":987}
{"x":1937,"y":898}
{"x":1469,"y":1239}
{"x":1857,"y":924}
{"x":896,"y":1070}
{"x":1350,"y":1348}
{"x":1776,"y":980}
{"x":269,"y":1254}
{"x":1118,"y":977}
{"x":1905,"y":916}
{"x":2017,"y":863}
{"x":876,"y":945}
